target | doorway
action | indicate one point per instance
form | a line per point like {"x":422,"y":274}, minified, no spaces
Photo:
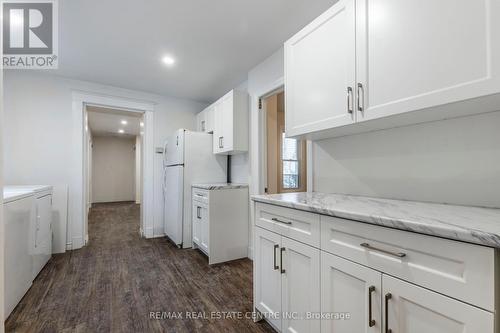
{"x":286,"y":158}
{"x":113,"y":168}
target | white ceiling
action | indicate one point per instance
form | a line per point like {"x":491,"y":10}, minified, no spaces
{"x":215,"y":42}
{"x":107,"y":122}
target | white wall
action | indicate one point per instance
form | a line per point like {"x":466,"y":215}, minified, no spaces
{"x":454,"y":161}
{"x":113,"y":169}
{"x":2,"y":233}
{"x":38,"y":138}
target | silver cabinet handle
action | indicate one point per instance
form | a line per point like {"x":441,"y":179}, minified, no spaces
{"x":394,"y":254}
{"x":361,"y":92}
{"x":281,"y":260}
{"x":220,"y":142}
{"x":203,"y":126}
{"x":177,"y":143}
{"x":198,"y":214}
{"x":276,"y":267}
{"x":349,"y":100}
{"x":371,"y":321}
{"x":388,"y":296}
{"x":281,"y":221}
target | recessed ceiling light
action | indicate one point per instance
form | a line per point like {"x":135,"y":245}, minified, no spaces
{"x":168,"y":60}
{"x":121,"y":131}
{"x":142,"y":124}
{"x":124,"y":122}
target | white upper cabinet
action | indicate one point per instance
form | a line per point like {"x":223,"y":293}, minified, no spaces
{"x":205,"y":120}
{"x":231,"y":123}
{"x":201,"y":122}
{"x":420,"y":60}
{"x":320,"y":72}
{"x":417,"y":54}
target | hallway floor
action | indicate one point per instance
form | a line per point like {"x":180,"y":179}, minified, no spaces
{"x":114,"y":283}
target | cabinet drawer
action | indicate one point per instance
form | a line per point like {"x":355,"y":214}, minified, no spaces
{"x":292,"y":223}
{"x":200,"y":195}
{"x":460,"y":270}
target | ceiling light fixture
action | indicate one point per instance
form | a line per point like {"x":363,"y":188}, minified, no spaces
{"x":168,"y":60}
{"x":142,"y":124}
{"x":124,"y":122}
{"x":121,"y":131}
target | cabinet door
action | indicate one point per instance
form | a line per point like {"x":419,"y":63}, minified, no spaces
{"x":227,"y":107}
{"x":319,"y":70}
{"x":417,"y":54}
{"x":196,"y":217}
{"x":300,"y":287}
{"x":267,"y":277}
{"x":199,"y":118}
{"x":412,"y":309}
{"x":209,"y":118}
{"x":350,"y":296}
{"x":205,"y":236}
{"x":218,"y":127}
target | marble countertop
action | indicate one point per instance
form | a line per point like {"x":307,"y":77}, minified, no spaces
{"x":220,"y":186}
{"x":469,"y":224}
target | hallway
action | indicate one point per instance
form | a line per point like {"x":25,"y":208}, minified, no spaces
{"x":114,"y":283}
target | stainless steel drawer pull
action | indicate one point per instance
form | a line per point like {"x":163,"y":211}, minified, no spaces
{"x":281,"y":221}
{"x":394,"y":254}
{"x":276,"y":267}
{"x":371,"y":321}
{"x":283,"y":271}
{"x":349,"y":100}
{"x":361,"y":91}
{"x":388,"y":296}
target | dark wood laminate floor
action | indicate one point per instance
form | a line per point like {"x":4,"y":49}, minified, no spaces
{"x":114,"y":283}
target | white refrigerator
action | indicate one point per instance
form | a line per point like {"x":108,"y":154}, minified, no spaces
{"x":188,"y":159}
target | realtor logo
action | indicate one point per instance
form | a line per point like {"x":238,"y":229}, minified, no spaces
{"x":30,"y":34}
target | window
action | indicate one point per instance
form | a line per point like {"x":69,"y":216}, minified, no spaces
{"x":290,"y":158}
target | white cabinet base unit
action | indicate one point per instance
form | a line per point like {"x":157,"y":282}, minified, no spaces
{"x":220,"y":221}
{"x":28,"y":238}
{"x":367,"y":278}
{"x":43,"y":229}
{"x":371,"y":64}
{"x":19,"y":219}
{"x":287,"y":282}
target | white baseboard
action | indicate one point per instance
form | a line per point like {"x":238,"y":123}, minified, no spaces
{"x":69,"y":246}
{"x":77,"y":243}
{"x":250,"y":253}
{"x":149,"y":233}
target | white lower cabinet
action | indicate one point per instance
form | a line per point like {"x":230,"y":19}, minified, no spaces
{"x":43,"y":232}
{"x":350,"y":296}
{"x":300,"y":289}
{"x":412,"y":309}
{"x":287,"y":275}
{"x":354,"y":291}
{"x":200,"y":225}
{"x":267,"y":276}
{"x":220,"y":223}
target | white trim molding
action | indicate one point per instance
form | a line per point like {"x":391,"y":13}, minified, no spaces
{"x":77,"y":230}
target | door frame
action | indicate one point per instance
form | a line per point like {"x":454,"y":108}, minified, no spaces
{"x":258,"y":150}
{"x":79,"y":218}
{"x":276,"y":87}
